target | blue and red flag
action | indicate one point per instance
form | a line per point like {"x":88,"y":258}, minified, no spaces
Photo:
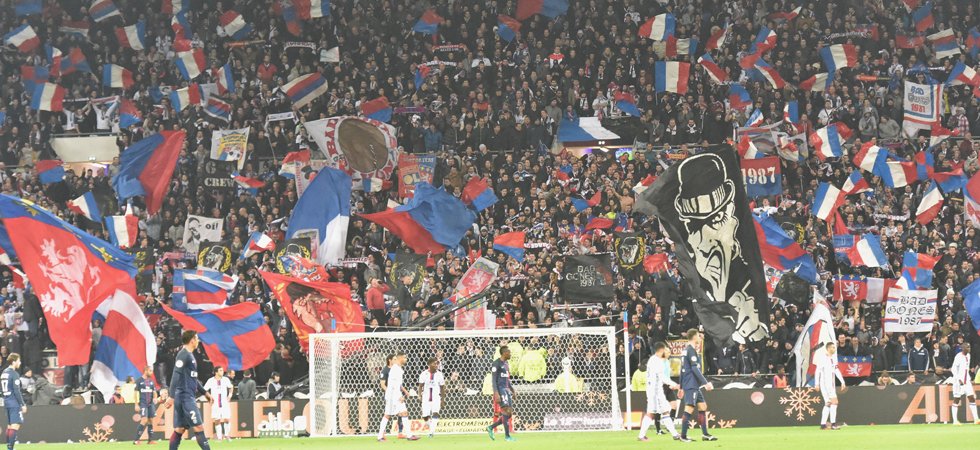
{"x":922,"y":18}
{"x":421,"y":73}
{"x":27,"y":7}
{"x":145,"y":168}
{"x":626,"y":103}
{"x":235,"y":337}
{"x":508,"y":28}
{"x":738,"y":97}
{"x":973,"y":42}
{"x":917,"y":269}
{"x":71,"y":272}
{"x":32,"y":76}
{"x":600,"y":223}
{"x":378,"y":109}
{"x":218,"y":108}
{"x":201,"y":289}
{"x":428,"y":23}
{"x":305,"y":89}
{"x":74,"y":62}
{"x":129,"y":114}
{"x":763,"y":176}
{"x":478,"y":194}
{"x":547,"y":8}
{"x":127,"y":345}
{"x":971,"y":299}
{"x":432,"y":220}
{"x":50,"y":171}
{"x":781,"y":251}
{"x":511,"y":243}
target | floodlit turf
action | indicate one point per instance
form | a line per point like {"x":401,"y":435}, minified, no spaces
{"x":891,"y":437}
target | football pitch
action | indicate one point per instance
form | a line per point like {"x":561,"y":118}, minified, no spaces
{"x":784,"y":438}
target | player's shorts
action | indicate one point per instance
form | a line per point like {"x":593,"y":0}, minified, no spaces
{"x":960,"y":390}
{"x":670,"y":394}
{"x":506,"y":400}
{"x":657,"y":402}
{"x":828,"y":391}
{"x":394,"y":407}
{"x":187,"y":414}
{"x":693,"y":397}
{"x":430,"y":407}
{"x":221,"y":412}
{"x":14,"y":417}
{"x":149,"y":411}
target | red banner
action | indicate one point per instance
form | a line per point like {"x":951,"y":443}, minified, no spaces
{"x":414,"y":169}
{"x":316,"y":307}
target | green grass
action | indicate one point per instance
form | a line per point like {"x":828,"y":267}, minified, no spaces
{"x":787,"y":438}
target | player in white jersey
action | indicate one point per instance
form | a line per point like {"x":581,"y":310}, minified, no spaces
{"x":395,"y":394}
{"x":827,"y":370}
{"x":431,"y":382}
{"x":963,"y":385}
{"x":657,"y":377}
{"x":220,"y":388}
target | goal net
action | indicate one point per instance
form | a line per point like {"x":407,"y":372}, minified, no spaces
{"x":563,"y":379}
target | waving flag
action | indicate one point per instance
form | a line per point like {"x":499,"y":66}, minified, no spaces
{"x":644,"y":184}
{"x":508,"y":28}
{"x":850,"y":288}
{"x":931,"y":204}
{"x":918,"y":267}
{"x":123,"y":230}
{"x":378,"y":109}
{"x":22,"y":37}
{"x":971,"y":299}
{"x":129,"y":114}
{"x":870,"y":157}
{"x":907,"y":41}
{"x":922,"y":18}
{"x":826,"y":200}
{"x":971,"y":200}
{"x":818,"y":331}
{"x":315,"y":306}
{"x":764,"y":41}
{"x":867,"y":252}
{"x":855,"y":184}
{"x":478,"y":193}
{"x":146,"y":166}
{"x":421,"y":73}
{"x":218,"y":108}
{"x":547,"y":8}
{"x":962,"y":74}
{"x":304,"y":89}
{"x":70,"y":271}
{"x":671,"y":76}
{"x":180,"y":26}
{"x":781,"y":16}
{"x":829,"y":140}
{"x":626,"y":103}
{"x":431,"y":221}
{"x":232,"y":24}
{"x":87,"y":206}
{"x":234,"y":337}
{"x":898,"y":173}
{"x":738,"y":97}
{"x":944,"y":43}
{"x":224,"y":79}
{"x":770,"y":74}
{"x":511,"y":244}
{"x":684,"y":47}
{"x":839,"y":56}
{"x":747,"y":150}
{"x":172,"y":7}
{"x":114,"y":76}
{"x":717,"y":38}
{"x":102,"y":10}
{"x":755,"y":119}
{"x":818,"y":83}
{"x":599,"y":223}
{"x":428,"y":23}
{"x":312,"y":9}
{"x":48,"y":97}
{"x":127,"y":346}
{"x":190,"y":61}
{"x":77,"y":27}
{"x":32,"y":76}
{"x":258,"y":242}
{"x":50,"y":171}
{"x":715,"y":72}
{"x":201,"y":289}
{"x":293,"y":162}
{"x":132,"y":36}
{"x":322,"y":213}
{"x":251,"y":185}
{"x":791,"y":112}
{"x":973,"y":42}
{"x":781,"y":251}
{"x":184,"y":98}
{"x":659,"y":27}
{"x":75,"y":62}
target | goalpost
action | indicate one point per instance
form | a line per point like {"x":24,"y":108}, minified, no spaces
{"x":563,"y":378}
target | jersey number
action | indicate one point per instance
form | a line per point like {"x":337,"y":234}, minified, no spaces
{"x":193,"y":416}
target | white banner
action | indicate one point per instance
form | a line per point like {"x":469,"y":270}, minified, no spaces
{"x":198,"y":229}
{"x":922,"y":106}
{"x":910,"y":310}
{"x":230,"y":145}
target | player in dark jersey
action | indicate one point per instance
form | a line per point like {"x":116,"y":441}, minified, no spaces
{"x":13,"y":399}
{"x":384,"y":387}
{"x":503,"y":393}
{"x":692,"y":381}
{"x":146,"y":406}
{"x":184,"y":390}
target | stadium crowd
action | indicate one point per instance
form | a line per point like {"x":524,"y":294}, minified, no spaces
{"x":491,"y":109}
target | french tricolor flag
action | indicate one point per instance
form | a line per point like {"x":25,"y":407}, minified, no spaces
{"x":478,"y":194}
{"x":48,"y":97}
{"x":173,"y":7}
{"x":671,"y":76}
{"x":944,"y":43}
{"x":839,"y":56}
{"x":249,"y":184}
{"x":870,"y":157}
{"x":717,"y":38}
{"x":124,"y":229}
{"x":54,"y":56}
{"x":817,"y":83}
{"x":218,"y":108}
{"x":826,"y":200}
{"x":829,"y":140}
{"x":764,"y":41}
{"x":22,"y":37}
{"x":785,"y":16}
{"x":644,"y":184}
{"x":133,"y":36}
{"x":114,"y":76}
{"x":190,"y":60}
{"x":738,"y":97}
{"x":685,"y":47}
{"x":293,"y":162}
{"x":76,"y":27}
{"x":223,"y":79}
{"x":186,"y":97}
{"x":791,"y":112}
{"x":312,"y":9}
{"x":659,"y":28}
{"x":715,"y":72}
{"x":962,"y":74}
{"x":755,"y":119}
{"x":855,"y":184}
{"x":378,"y":109}
{"x":102,"y":10}
{"x":86,"y":205}
{"x":201,"y":289}
{"x":899,"y":173}
{"x":304,"y":89}
{"x":747,"y":149}
{"x":258,"y":242}
{"x":232,"y":24}
{"x":923,"y":18}
{"x":867,"y":252}
{"x":931,"y":204}
{"x":127,"y":345}
{"x":182,"y":28}
{"x":626,"y":103}
{"x":770,"y":74}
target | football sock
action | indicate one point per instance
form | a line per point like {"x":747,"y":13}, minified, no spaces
{"x":218,"y":431}
{"x":202,"y":440}
{"x":139,"y":431}
{"x":669,"y":423}
{"x":656,"y":421}
{"x":703,"y":420}
{"x":824,"y":415}
{"x":685,"y":423}
{"x":432,"y":424}
{"x":383,"y":428}
{"x":404,"y":422}
{"x":227,"y":426}
{"x":506,"y":419}
{"x":833,"y":414}
{"x":175,"y":440}
{"x":973,"y":410}
{"x":644,"y":426}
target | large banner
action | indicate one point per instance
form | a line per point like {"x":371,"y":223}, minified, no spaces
{"x":230,"y":145}
{"x":477,"y":279}
{"x":315,"y":306}
{"x":702,"y":204}
{"x":218,"y":176}
{"x":408,"y":264}
{"x":910,"y":310}
{"x":414,"y":169}
{"x":216,"y":256}
{"x":587,"y":279}
{"x":198,"y":229}
{"x":762,"y":176}
{"x":630,"y":250}
{"x":922,"y":106}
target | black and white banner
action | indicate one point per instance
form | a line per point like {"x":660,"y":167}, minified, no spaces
{"x":630,"y":249}
{"x":587,"y":279}
{"x":198,"y":229}
{"x":702,"y":205}
{"x":408,"y":269}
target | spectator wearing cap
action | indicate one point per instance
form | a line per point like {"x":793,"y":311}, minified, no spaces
{"x":275,"y":390}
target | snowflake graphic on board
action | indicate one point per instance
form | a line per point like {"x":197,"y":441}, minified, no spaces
{"x":714,"y":422}
{"x":800,"y":403}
